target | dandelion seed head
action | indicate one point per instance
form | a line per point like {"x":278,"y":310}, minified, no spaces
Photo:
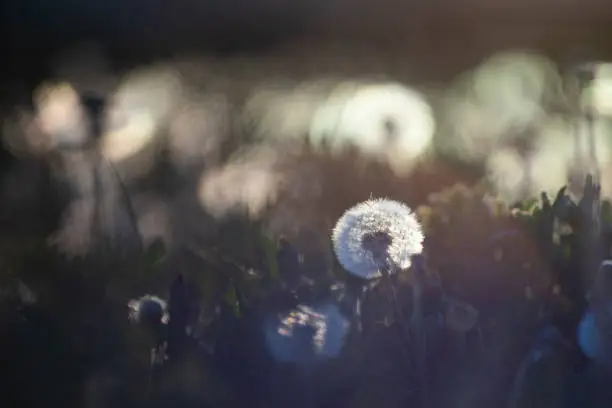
{"x":374,"y":233}
{"x":148,"y":309}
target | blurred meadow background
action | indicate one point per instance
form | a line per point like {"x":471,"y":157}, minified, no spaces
{"x":171,"y":174}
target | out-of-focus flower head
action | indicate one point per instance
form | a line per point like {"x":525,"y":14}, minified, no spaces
{"x":307,"y":334}
{"x":143,"y":103}
{"x":59,"y":121}
{"x":385,"y":121}
{"x":559,"y":154}
{"x":460,"y":316}
{"x":496,"y":104}
{"x":514,"y":84}
{"x":252,"y":181}
{"x":149,"y":309}
{"x":595,"y":329}
{"x":596,"y":95}
{"x":376,"y":234}
{"x":594,"y":336}
{"x":197,"y":131}
{"x":61,"y":115}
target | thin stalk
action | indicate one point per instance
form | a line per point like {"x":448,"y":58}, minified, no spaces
{"x":309,"y":395}
{"x":127,"y":202}
{"x":399,"y":316}
{"x":418,"y":334}
{"x":96,"y":130}
{"x":150,"y":374}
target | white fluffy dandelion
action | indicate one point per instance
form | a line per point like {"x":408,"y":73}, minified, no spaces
{"x":377,"y":234}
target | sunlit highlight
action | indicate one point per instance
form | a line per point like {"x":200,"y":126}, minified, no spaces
{"x":156,"y":91}
{"x":307,"y":334}
{"x":137,"y":110}
{"x":597,"y":95}
{"x":384,"y":121}
{"x":61,"y":117}
{"x":560,"y":154}
{"x":197,"y":132}
{"x":123,"y":143}
{"x":497,"y":104}
{"x":250,"y":182}
{"x":376,"y":235}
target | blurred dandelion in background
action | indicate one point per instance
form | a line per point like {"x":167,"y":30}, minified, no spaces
{"x":467,"y":133}
{"x":62,"y":131}
{"x":59,"y":121}
{"x":377,"y":234}
{"x":569,"y":143}
{"x":250,"y":182}
{"x":496,"y":104}
{"x":555,"y":157}
{"x":383,"y":121}
{"x":139,"y":110}
{"x":61,"y":117}
{"x":597,"y":95}
{"x":127,"y":143}
{"x":156,"y":90}
{"x":515,"y":86}
{"x":307,"y":334}
{"x":149,"y":309}
{"x":197,"y":132}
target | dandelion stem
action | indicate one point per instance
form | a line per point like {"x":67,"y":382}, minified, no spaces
{"x":418,"y":333}
{"x":399,"y":316}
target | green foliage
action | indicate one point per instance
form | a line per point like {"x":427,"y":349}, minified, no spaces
{"x":462,"y":224}
{"x":269,"y":249}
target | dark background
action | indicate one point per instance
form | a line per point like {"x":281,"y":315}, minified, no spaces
{"x":441,"y":36}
